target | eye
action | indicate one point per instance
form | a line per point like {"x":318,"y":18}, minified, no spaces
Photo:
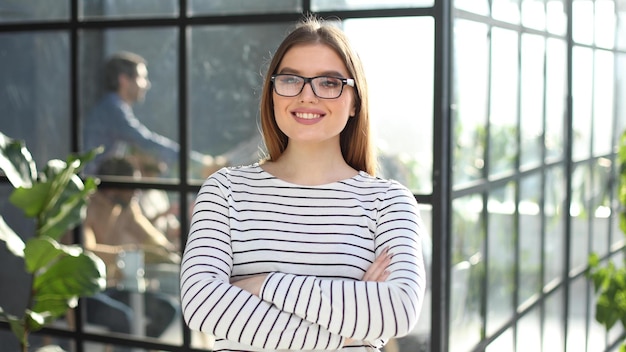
{"x":330,"y":82}
{"x":289,"y":79}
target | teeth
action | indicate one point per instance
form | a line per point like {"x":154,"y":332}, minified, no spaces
{"x":307,"y":116}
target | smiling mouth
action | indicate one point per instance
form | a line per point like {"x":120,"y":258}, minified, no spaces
{"x":307,"y":115}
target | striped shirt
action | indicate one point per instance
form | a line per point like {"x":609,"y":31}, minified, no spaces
{"x":314,"y":243}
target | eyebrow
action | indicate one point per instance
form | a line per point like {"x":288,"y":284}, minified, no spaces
{"x":288,"y":70}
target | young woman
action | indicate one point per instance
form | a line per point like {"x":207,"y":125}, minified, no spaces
{"x":307,"y":250}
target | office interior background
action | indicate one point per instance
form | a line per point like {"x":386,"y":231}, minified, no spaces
{"x":502,"y":116}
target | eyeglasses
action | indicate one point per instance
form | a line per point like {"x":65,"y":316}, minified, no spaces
{"x":324,"y":87}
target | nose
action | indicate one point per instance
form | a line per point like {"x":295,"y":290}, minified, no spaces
{"x":307,"y":93}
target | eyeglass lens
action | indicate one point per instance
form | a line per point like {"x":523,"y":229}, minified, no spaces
{"x":323,"y":87}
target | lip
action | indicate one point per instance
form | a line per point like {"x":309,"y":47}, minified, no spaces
{"x":308,"y":116}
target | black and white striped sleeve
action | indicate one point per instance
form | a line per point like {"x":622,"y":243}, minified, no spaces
{"x":365,"y":310}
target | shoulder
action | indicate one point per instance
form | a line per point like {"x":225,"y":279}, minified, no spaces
{"x":238,"y":174}
{"x":108,"y":104}
{"x":384,"y":185}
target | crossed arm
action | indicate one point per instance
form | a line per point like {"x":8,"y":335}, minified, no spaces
{"x":377,"y":272}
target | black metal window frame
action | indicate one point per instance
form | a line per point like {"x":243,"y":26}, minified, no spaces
{"x":439,"y":198}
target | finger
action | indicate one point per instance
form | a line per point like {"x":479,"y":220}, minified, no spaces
{"x":375,"y":268}
{"x":378,"y":267}
{"x":381,"y":272}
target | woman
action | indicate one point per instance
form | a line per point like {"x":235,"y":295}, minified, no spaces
{"x":306,"y":250}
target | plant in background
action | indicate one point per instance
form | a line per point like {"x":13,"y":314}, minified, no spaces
{"x":610,"y":280}
{"x":56,"y":199}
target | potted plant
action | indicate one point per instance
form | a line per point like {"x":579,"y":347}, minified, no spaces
{"x":609,"y":280}
{"x":55,"y":198}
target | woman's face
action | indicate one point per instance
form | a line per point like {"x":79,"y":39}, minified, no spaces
{"x":306,"y":118}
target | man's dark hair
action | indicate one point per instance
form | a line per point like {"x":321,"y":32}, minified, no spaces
{"x":120,"y":63}
{"x":116,"y":166}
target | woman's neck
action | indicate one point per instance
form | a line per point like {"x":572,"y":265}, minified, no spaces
{"x":310,"y":166}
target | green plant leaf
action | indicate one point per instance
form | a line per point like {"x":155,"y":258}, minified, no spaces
{"x":17,"y":326}
{"x":14,"y":243}
{"x":48,"y":309}
{"x":58,"y":175}
{"x":57,"y":199}
{"x":36,"y":321}
{"x":64,"y":281}
{"x":65,"y":204}
{"x":71,"y":276}
{"x":69,"y":210}
{"x":31,"y":200}
{"x":17,"y":162}
{"x":605,"y":314}
{"x":69,"y":273}
{"x":40,"y":252}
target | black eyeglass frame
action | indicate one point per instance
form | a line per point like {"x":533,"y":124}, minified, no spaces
{"x":344,"y":82}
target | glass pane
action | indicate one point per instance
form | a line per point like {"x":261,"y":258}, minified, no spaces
{"x":577,"y":314}
{"x":127,"y":8}
{"x":580,"y":212}
{"x":600,"y":199}
{"x":12,"y":270}
{"x":605,"y":26}
{"x":529,"y":332}
{"x":532,"y":103}
{"x":419,"y":338}
{"x":582,"y":21}
{"x":597,"y":331}
{"x":557,"y":17}
{"x":504,"y":342}
{"x":616,"y":235}
{"x":230,"y":7}
{"x":41,"y":342}
{"x":582,"y":91}
{"x":471,"y":68}
{"x":162,"y":209}
{"x":506,"y":10}
{"x":554,"y":193}
{"x":620,"y":86}
{"x":617,"y":332}
{"x":467,"y":273}
{"x":530,"y":238}
{"x":326,"y":5}
{"x":225,"y":64}
{"x":35,"y":92}
{"x":620,"y":33}
{"x":603,"y":102}
{"x":556,"y":93}
{"x":553,"y":327}
{"x":199,"y":339}
{"x":403,"y":130}
{"x":534,"y":14}
{"x":141,"y":123}
{"x":142,"y":262}
{"x":503,"y":147}
{"x":480,"y":7}
{"x":34,"y":10}
{"x":501,"y":238}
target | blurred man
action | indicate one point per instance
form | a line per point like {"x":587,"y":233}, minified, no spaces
{"x":113,"y":124}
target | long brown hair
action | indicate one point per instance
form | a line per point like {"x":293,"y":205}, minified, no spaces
{"x":355,"y":140}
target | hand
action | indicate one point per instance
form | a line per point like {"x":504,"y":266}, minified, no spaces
{"x":378,"y":270}
{"x":252,"y":284}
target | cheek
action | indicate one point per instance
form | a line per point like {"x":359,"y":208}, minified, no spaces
{"x":280,"y":107}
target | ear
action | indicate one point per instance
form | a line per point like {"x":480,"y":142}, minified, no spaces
{"x":122,"y":80}
{"x":353,"y":111}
